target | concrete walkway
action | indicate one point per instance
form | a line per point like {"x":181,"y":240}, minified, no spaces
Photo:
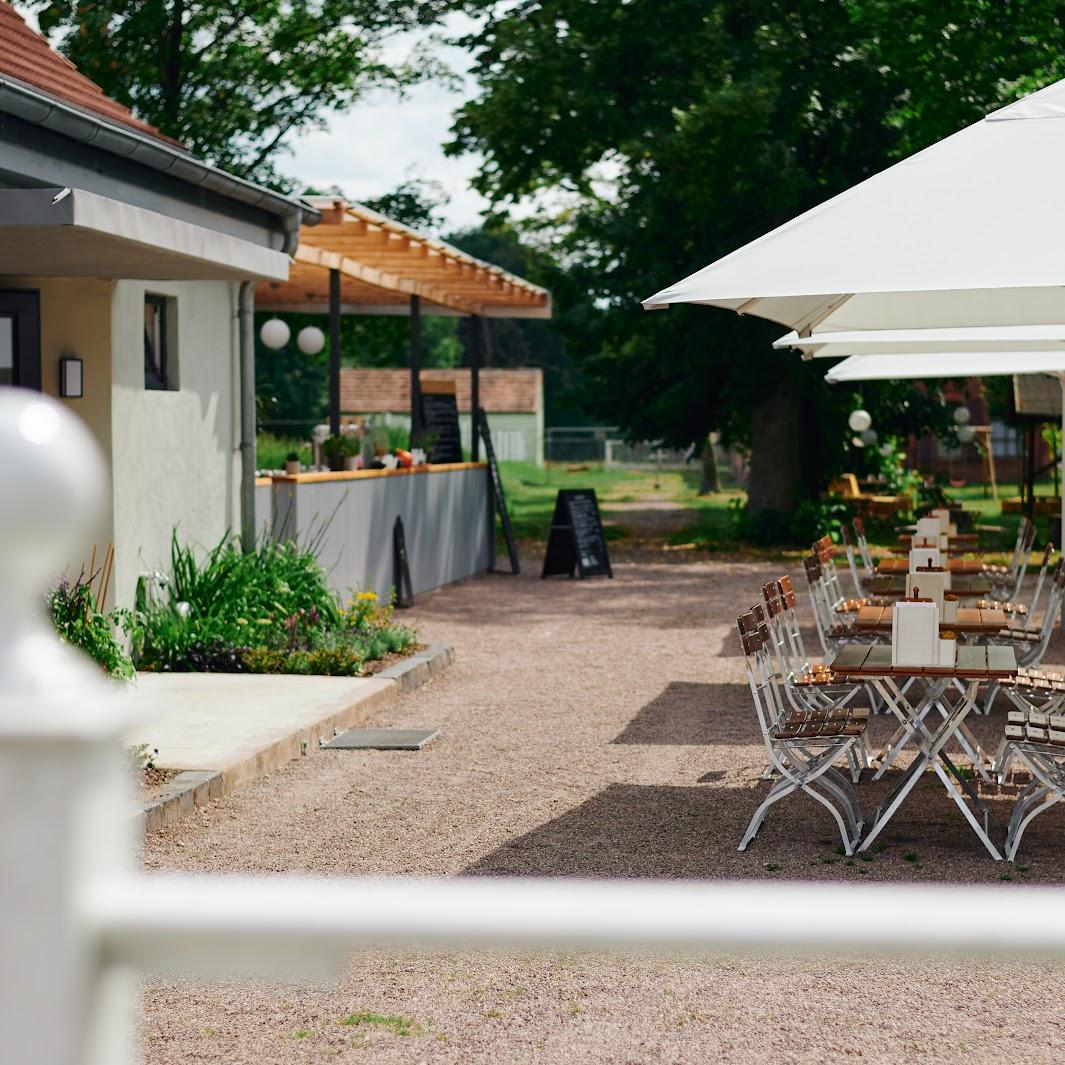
{"x":244,"y":726}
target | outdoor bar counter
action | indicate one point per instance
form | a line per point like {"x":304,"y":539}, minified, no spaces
{"x":445,"y":510}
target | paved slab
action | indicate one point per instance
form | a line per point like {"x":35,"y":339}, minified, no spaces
{"x":244,"y":726}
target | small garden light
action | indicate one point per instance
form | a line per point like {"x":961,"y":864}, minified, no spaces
{"x":275,"y":333}
{"x":962,"y":416}
{"x":310,"y":340}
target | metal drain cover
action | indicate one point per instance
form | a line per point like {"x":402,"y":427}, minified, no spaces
{"x":381,"y":739}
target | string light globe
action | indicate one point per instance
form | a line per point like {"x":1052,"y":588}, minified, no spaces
{"x":310,"y":340}
{"x":965,"y":434}
{"x":859,"y":420}
{"x":275,"y":333}
{"x":962,"y":415}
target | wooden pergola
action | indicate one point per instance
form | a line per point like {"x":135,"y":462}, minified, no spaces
{"x":356,"y":261}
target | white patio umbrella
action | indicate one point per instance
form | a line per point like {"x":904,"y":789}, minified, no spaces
{"x":1001,"y":339}
{"x":919,"y":365}
{"x":968,"y":232}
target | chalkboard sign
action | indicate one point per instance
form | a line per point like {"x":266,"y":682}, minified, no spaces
{"x":497,"y":489}
{"x":404,"y":588}
{"x":440,"y":418}
{"x":576,"y":544}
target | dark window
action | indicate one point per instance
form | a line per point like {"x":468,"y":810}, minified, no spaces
{"x":156,"y":363}
{"x":20,"y":351}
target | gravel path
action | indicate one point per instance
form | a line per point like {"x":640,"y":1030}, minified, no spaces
{"x":598,"y":728}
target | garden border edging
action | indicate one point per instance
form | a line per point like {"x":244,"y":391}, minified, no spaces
{"x":193,"y":788}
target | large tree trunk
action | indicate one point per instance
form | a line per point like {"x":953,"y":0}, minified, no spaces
{"x":775,"y":486}
{"x":708,"y":479}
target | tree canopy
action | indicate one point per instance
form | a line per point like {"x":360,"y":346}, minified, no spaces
{"x":234,"y":80}
{"x":655,"y":136}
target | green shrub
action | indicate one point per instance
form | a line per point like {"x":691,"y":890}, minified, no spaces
{"x":268,"y":611}
{"x":79,"y":622}
{"x":272,"y":451}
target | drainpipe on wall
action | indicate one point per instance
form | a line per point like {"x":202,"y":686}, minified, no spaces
{"x":246,"y":346}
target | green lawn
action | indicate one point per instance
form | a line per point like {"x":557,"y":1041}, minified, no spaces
{"x":707,"y":522}
{"x":531,"y":492}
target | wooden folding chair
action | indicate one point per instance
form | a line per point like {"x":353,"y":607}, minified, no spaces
{"x":800,"y":747}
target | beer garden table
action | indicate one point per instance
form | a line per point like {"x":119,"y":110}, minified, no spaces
{"x":893,"y":567}
{"x":971,"y":622}
{"x":975,"y":664}
{"x":967,"y":585}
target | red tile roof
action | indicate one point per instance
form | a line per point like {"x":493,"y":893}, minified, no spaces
{"x":502,"y":391}
{"x":26,"y":56}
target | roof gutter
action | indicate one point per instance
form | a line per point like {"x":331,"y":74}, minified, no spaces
{"x":22,"y":100}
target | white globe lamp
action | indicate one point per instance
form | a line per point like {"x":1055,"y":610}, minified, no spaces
{"x":965,"y":434}
{"x":310,"y":340}
{"x":859,"y":421}
{"x":275,"y":333}
{"x":962,"y":415}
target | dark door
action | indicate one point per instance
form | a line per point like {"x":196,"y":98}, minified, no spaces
{"x":20,"y":338}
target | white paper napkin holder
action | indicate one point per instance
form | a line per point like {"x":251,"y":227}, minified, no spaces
{"x":933,"y":584}
{"x":925,"y":556}
{"x":929,"y":529}
{"x":915,"y":633}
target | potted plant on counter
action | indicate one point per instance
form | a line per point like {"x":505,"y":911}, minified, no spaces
{"x":341,"y":452}
{"x":292,"y":462}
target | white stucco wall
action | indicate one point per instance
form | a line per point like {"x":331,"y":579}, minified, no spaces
{"x":175,"y":454}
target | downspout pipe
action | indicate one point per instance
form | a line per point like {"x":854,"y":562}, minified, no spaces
{"x":246,"y":348}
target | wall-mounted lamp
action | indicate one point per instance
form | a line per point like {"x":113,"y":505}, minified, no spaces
{"x":71,"y":378}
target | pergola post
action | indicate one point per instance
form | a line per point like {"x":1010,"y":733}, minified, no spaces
{"x":334,"y":352}
{"x":474,"y":343}
{"x":415,"y":366}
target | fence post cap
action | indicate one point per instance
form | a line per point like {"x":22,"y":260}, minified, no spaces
{"x":53,"y":487}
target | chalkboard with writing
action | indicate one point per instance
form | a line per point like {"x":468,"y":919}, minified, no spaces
{"x":497,"y":489}
{"x":576,"y":544}
{"x":440,"y":419}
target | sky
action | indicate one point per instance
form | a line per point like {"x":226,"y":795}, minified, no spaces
{"x":386,"y":138}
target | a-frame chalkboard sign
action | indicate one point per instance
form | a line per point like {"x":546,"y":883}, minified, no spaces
{"x":497,"y":489}
{"x":404,"y":587}
{"x":576,"y":544}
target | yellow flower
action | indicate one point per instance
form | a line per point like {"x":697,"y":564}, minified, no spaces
{"x":367,"y":596}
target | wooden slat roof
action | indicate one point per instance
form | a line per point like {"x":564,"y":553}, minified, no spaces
{"x":383,"y":263}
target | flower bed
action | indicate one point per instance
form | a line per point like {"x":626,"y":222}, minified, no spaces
{"x":268,"y":611}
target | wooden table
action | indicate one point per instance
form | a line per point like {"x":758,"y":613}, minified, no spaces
{"x":970,"y":620}
{"x":895,"y":566}
{"x":971,"y":586}
{"x":975,"y":665}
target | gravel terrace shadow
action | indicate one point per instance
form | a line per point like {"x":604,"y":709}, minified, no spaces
{"x":691,"y":713}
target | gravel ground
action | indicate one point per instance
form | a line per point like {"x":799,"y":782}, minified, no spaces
{"x":599,"y":728}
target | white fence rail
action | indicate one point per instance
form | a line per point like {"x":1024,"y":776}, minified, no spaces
{"x":78,"y":920}
{"x":621,"y":453}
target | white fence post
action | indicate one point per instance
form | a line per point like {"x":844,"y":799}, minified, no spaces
{"x":62,"y":808}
